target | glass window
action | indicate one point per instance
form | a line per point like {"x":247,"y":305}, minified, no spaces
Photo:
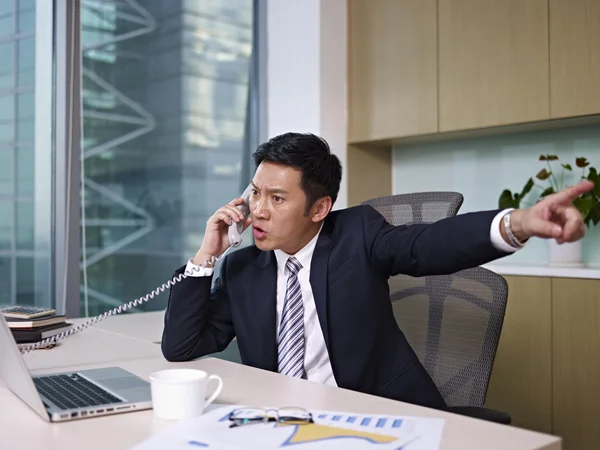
{"x":25,"y":170}
{"x":25,"y":129}
{"x":25,"y":223}
{"x":26,"y":53}
{"x":26,"y":72}
{"x":5,"y":278}
{"x":26,"y":5}
{"x":25,"y":105}
{"x":7,"y":56}
{"x":7,"y":7}
{"x":7,"y":80}
{"x":20,"y":281}
{"x":7,"y":24}
{"x":26,"y":293}
{"x":6,"y":171}
{"x":164,"y":117}
{"x":26,"y":77}
{"x":26,"y":21}
{"x":6,"y":225}
{"x":7,"y":132}
{"x":7,"y":108}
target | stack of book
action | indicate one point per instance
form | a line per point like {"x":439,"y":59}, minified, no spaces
{"x":30,"y":324}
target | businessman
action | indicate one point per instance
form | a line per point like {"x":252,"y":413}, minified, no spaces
{"x":310,"y":298}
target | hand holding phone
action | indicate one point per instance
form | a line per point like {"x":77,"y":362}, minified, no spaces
{"x":223,"y":231}
{"x":224,"y":228}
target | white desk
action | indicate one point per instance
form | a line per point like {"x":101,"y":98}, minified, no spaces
{"x":91,"y":346}
{"x":145,"y":326}
{"x":148,"y":327}
{"x":22,"y":428}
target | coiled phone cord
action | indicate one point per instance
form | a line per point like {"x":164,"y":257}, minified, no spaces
{"x":121,"y":308}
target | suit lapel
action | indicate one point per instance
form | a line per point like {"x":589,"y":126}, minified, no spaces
{"x":318,"y":277}
{"x":264,"y":299}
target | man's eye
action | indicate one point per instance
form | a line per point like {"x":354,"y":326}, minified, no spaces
{"x":254,"y":192}
{"x":277,"y":199}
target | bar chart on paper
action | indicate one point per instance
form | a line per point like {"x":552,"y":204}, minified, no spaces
{"x":330,"y":430}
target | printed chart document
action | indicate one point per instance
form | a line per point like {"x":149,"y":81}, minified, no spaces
{"x":331,"y":431}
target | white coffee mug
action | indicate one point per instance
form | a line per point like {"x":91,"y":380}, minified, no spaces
{"x":181,"y":393}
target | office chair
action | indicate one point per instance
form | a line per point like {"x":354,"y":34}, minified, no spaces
{"x":418,"y":207}
{"x":453,"y":323}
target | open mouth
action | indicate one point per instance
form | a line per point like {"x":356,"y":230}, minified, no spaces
{"x":259,"y":233}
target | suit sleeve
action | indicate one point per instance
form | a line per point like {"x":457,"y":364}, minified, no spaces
{"x":198,"y":319}
{"x":441,"y":248}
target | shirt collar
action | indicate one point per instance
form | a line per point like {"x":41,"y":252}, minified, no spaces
{"x":304,"y":255}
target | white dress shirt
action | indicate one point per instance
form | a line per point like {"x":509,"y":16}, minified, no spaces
{"x":316,"y":358}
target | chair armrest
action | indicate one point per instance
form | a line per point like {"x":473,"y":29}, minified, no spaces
{"x":476,"y":412}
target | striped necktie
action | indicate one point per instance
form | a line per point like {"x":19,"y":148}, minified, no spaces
{"x":291,"y":331}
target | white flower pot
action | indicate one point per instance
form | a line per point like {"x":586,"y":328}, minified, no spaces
{"x":569,"y":254}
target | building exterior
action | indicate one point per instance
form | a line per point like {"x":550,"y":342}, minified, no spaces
{"x":164,"y":102}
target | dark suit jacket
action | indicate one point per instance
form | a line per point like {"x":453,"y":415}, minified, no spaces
{"x":356,"y":252}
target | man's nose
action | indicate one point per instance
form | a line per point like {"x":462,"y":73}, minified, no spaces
{"x":260,"y":209}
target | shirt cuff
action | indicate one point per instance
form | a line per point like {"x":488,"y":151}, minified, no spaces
{"x":495,"y":235}
{"x":194,"y":270}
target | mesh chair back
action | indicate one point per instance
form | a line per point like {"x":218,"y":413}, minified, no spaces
{"x":453,"y":322}
{"x":418,"y":207}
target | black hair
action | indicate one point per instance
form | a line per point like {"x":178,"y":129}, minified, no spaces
{"x":321,"y":170}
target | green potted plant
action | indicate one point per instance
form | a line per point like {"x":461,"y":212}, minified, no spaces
{"x":552,"y":179}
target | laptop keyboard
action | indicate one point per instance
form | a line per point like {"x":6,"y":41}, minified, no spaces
{"x":73,"y":391}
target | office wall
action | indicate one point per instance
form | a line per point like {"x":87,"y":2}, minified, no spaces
{"x":482,"y":168}
{"x":306,"y":73}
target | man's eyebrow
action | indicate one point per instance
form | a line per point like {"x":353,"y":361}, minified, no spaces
{"x":277,"y":191}
{"x":271,"y":191}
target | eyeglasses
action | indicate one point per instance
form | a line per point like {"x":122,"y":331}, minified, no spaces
{"x":248,"y":416}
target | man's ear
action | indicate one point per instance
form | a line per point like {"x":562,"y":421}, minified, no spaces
{"x":320,"y":209}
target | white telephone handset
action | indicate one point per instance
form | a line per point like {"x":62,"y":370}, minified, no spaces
{"x":236,"y":229}
{"x":234,"y":234}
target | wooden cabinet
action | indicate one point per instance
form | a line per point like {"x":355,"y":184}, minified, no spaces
{"x":370,"y":171}
{"x":521,"y":381}
{"x":574,"y":57}
{"x":421,"y":68}
{"x":431,"y":70}
{"x":493,"y":63}
{"x":392,"y":69}
{"x":547,"y":368}
{"x":576,"y":362}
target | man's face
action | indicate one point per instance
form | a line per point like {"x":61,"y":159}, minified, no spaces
{"x":277,"y":206}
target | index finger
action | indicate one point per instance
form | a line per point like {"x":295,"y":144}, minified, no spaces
{"x":572,"y":224}
{"x":571,"y":193}
{"x":236,"y":201}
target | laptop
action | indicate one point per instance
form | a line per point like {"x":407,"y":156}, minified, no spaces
{"x":63,"y":396}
